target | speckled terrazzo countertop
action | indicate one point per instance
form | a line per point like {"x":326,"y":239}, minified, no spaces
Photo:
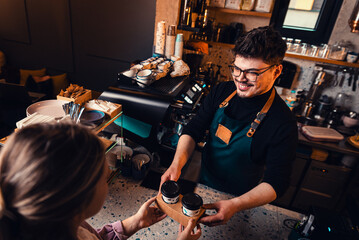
{"x":126,"y":196}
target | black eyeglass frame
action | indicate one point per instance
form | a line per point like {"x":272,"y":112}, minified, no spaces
{"x":251,"y":70}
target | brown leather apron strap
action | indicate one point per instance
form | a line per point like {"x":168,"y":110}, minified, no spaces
{"x":261,"y":115}
{"x":225,"y":102}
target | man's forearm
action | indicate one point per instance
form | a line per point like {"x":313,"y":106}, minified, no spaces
{"x":185,"y":148}
{"x":258,"y":196}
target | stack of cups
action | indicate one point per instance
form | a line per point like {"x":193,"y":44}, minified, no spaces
{"x":173,"y":44}
{"x":179,"y":45}
{"x":160,"y":38}
{"x":170,"y":41}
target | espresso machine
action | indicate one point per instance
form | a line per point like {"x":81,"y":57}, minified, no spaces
{"x":312,"y":103}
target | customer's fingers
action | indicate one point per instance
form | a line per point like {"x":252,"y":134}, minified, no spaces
{"x":198,"y":231}
{"x":149,"y":202}
{"x":180,"y":228}
{"x":191,"y":224}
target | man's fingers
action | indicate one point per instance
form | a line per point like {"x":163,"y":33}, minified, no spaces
{"x":209,"y":206}
{"x":164,"y":178}
{"x":191,"y":224}
{"x":210,"y":220}
{"x":211,"y":223}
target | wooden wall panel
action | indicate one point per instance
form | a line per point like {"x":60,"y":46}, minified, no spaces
{"x":116,"y":29}
{"x":50,"y":28}
{"x":110,"y":32}
{"x":91,"y":40}
{"x":13,"y":21}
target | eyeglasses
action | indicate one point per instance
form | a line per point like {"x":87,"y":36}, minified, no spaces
{"x":249,"y":74}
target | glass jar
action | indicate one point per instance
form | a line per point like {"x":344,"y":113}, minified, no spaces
{"x":296,"y":47}
{"x":338,"y":52}
{"x":304,"y":49}
{"x":323,"y":51}
{"x":313,"y":51}
{"x":289,"y":44}
{"x":340,"y":100}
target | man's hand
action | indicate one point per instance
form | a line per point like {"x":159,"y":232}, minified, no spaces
{"x":225,"y":211}
{"x":172,"y":173}
{"x":185,"y":147}
{"x":188,"y":232}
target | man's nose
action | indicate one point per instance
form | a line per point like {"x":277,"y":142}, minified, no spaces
{"x":241,"y":78}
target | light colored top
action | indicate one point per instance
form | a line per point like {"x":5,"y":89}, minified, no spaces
{"x":112,"y":231}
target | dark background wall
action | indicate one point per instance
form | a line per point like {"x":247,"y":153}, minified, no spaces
{"x":90,"y":40}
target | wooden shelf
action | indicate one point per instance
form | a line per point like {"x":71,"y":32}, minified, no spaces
{"x":323,"y":60}
{"x":242,"y":12}
{"x":298,"y":56}
{"x":293,"y":55}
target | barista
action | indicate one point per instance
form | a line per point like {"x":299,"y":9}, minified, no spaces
{"x":252,"y":133}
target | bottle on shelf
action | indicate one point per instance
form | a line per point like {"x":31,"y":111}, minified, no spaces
{"x":218,"y":74}
{"x":210,"y":74}
{"x":196,"y":9}
{"x":248,"y":5}
{"x":187,"y":13}
{"x":203,"y":14}
{"x":264,"y":6}
{"x":291,"y":99}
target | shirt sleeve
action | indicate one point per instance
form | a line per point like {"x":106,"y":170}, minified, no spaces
{"x":280,"y":156}
{"x":197,"y":127}
{"x":112,"y":231}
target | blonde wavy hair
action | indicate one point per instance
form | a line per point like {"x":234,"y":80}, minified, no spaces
{"x":47,"y":176}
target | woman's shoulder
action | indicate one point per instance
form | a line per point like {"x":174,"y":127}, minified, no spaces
{"x":86,"y":232}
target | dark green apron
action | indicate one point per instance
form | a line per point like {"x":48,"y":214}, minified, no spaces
{"x":229,"y":167}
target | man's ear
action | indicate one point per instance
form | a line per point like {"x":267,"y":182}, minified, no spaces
{"x":278,"y":71}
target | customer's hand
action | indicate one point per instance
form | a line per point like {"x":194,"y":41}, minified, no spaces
{"x":145,"y":216}
{"x":188,"y":232}
{"x":148,"y":215}
{"x":225,"y":211}
{"x":172,"y":173}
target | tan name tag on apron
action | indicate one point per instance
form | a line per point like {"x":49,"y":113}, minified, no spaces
{"x":223,"y":133}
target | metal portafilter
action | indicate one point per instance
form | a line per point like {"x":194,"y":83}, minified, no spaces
{"x":313,"y":94}
{"x":317,"y":83}
{"x":354,"y":19}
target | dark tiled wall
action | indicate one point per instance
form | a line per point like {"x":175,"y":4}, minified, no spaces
{"x":90,"y":40}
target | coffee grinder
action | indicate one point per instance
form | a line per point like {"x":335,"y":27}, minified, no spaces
{"x":315,"y":90}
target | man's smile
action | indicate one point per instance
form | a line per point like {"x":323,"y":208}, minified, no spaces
{"x":243,"y":86}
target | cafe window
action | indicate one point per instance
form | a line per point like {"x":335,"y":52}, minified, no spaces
{"x":312,"y":21}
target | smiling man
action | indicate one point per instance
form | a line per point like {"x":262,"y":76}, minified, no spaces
{"x":252,"y":133}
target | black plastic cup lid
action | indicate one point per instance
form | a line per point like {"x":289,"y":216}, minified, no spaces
{"x":170,"y":189}
{"x":192,"y":201}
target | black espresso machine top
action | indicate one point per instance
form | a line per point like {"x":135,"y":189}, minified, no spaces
{"x":151,"y":104}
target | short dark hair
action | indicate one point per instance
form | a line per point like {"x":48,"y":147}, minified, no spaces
{"x":262,"y":42}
